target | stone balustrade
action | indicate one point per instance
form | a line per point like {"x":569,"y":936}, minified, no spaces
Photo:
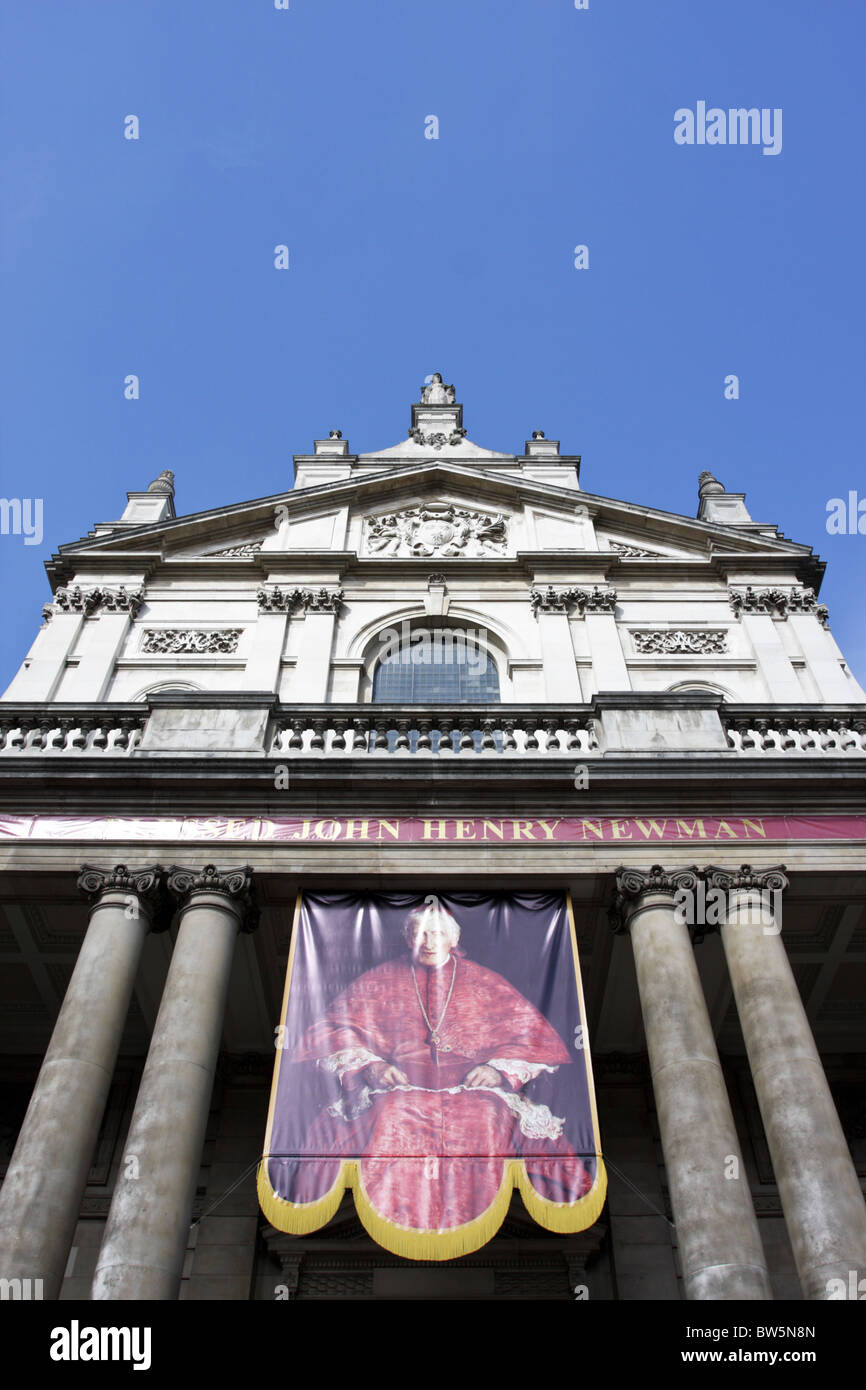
{"x":107,"y":729}
{"x":796,"y":733}
{"x":509,"y":730}
{"x":612,"y":726}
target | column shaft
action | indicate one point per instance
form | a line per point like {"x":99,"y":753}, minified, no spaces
{"x":818,"y":1186}
{"x":41,"y":1196}
{"x":720,"y":1248}
{"x":148,"y":1225}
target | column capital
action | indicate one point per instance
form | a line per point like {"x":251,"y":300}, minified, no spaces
{"x":633,"y":884}
{"x":547,"y":599}
{"x":746,"y":877}
{"x":235,"y":884}
{"x":146,"y":885}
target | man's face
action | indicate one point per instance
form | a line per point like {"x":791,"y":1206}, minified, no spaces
{"x":431,"y":941}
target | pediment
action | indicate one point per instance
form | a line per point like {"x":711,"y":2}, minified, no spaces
{"x":433,"y":509}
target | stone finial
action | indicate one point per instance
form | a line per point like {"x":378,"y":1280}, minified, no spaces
{"x":708,"y":486}
{"x":164,"y":483}
{"x":437,"y":393}
{"x":336,"y":434}
{"x":538,"y":434}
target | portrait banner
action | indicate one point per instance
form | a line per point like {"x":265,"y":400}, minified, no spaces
{"x":432,"y":1057}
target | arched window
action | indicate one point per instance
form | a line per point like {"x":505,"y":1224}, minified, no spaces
{"x":436,"y":666}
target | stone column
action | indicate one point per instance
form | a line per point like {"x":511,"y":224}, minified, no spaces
{"x":148,"y":1224}
{"x":821,"y":1197}
{"x":719,"y":1245}
{"x":41,"y":1197}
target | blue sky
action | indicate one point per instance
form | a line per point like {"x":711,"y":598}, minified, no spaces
{"x":408,"y":255}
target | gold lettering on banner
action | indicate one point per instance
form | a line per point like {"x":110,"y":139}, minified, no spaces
{"x":726,"y":830}
{"x":522,"y":829}
{"x":549,"y":826}
{"x":495,"y":829}
{"x":757,"y":826}
{"x":618,"y":832}
{"x":322,"y":833}
{"x":266,"y":830}
{"x":441,"y":832}
{"x":697,"y":828}
{"x":464,"y":834}
{"x":392,"y":827}
{"x":656,"y":829}
{"x":595,"y":827}
{"x":303,"y":833}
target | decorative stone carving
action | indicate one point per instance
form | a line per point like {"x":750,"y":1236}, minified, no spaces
{"x":709,"y":486}
{"x":233,"y":883}
{"x":633,"y":552}
{"x":778,"y":602}
{"x":244,"y":551}
{"x":322,"y":600}
{"x":94,"y":882}
{"x":174,"y":641}
{"x":746,"y":877}
{"x":437,"y":579}
{"x":122,"y":601}
{"x":437,"y":393}
{"x":87,"y":601}
{"x":551,"y":600}
{"x":680,"y":641}
{"x":632,"y":884}
{"x":438,"y":439}
{"x":145,"y":885}
{"x":438,"y":529}
{"x":163,"y":484}
{"x":277,"y":600}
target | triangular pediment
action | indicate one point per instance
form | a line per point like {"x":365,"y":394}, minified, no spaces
{"x":436,"y":508}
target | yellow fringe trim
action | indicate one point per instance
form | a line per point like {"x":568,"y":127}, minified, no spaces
{"x":303,"y":1218}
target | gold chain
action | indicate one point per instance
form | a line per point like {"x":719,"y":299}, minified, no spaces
{"x":434,"y":1032}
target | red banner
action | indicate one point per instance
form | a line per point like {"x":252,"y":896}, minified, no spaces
{"x":488,"y":830}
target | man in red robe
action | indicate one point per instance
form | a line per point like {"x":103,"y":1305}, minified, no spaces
{"x":432,"y":1052}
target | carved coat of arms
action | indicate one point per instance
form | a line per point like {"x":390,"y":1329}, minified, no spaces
{"x":439,"y":529}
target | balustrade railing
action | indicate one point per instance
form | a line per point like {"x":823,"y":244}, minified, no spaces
{"x":443,"y":732}
{"x":507,"y":730}
{"x":109,"y":729}
{"x":794,"y":733}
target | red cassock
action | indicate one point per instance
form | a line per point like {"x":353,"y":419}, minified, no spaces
{"x":433,"y":1157}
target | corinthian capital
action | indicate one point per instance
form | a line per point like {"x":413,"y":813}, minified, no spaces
{"x":235,"y":884}
{"x":74,"y":599}
{"x":633,"y":884}
{"x":551,"y":600}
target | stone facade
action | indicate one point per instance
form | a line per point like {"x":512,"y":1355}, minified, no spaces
{"x":199,"y":730}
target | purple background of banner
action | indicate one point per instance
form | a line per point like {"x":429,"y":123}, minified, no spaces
{"x":524,"y":937}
